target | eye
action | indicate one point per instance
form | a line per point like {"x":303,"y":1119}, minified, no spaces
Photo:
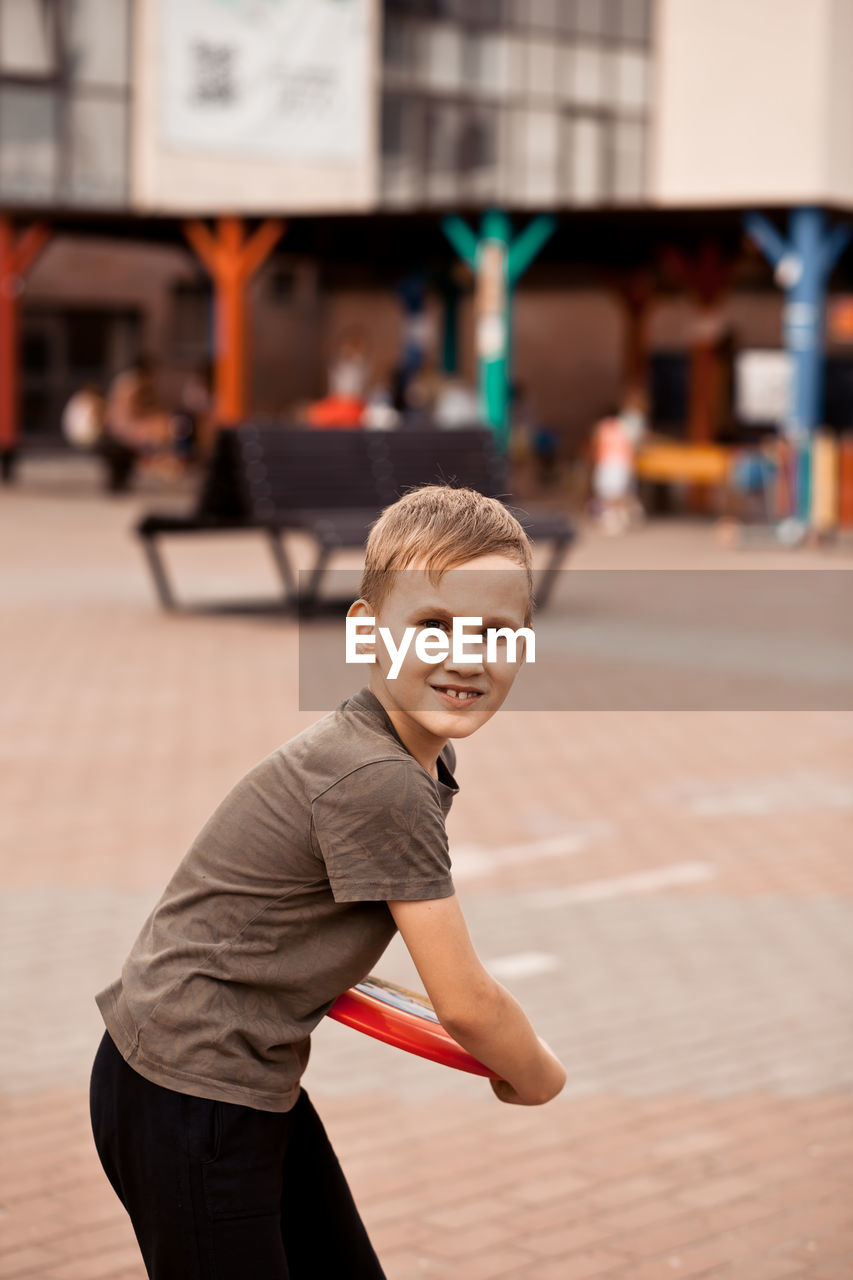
{"x":434,"y":622}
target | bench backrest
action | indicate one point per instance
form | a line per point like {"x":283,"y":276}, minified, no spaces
{"x":285,"y":469}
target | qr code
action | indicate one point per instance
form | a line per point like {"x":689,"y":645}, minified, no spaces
{"x":213,"y":72}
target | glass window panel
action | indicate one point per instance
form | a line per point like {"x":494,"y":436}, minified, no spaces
{"x":478,"y":140}
{"x":566,"y":16}
{"x":490,"y":72}
{"x":587,"y":76}
{"x":629,"y":160}
{"x":492,"y":12}
{"x":586,"y":160}
{"x":499,"y":65}
{"x":28,"y":143}
{"x":402,"y":146}
{"x":631,"y":77}
{"x":443,"y":137}
{"x":97,"y":37}
{"x":397,"y":44}
{"x":27,"y":36}
{"x":443,"y":57}
{"x":542,"y":67}
{"x":544,"y":14}
{"x":516,"y":63}
{"x":593,"y":17}
{"x":98,"y":143}
{"x":635,"y":20}
{"x":540,"y":140}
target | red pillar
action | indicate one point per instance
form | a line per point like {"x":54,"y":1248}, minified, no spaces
{"x":706,"y":276}
{"x":635,"y":292}
{"x":17,"y":255}
{"x":231,"y":259}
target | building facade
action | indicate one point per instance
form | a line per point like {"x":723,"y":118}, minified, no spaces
{"x":118,"y":110}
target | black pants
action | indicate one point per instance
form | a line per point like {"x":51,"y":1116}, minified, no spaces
{"x":217,"y":1191}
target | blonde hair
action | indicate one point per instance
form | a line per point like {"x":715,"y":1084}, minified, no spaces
{"x":444,"y":528}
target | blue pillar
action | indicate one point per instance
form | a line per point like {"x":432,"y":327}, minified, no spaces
{"x":802,"y":264}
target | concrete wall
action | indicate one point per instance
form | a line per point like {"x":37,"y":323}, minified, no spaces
{"x":838,"y":142}
{"x":752,"y":98}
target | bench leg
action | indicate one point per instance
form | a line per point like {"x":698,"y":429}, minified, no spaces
{"x":309,"y":598}
{"x":548,"y":577}
{"x":158,"y":573}
{"x":283,"y":565}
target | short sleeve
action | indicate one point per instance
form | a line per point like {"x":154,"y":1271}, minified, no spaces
{"x":380,"y":831}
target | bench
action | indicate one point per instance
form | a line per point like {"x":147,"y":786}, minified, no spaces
{"x":332,"y":485}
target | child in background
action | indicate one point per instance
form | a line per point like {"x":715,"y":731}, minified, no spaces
{"x":613,"y":472}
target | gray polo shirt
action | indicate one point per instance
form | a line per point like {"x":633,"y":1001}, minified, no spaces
{"x":279,"y":906}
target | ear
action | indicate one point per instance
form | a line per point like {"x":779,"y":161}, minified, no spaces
{"x":361,"y":609}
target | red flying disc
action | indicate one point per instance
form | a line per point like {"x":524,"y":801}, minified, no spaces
{"x":404,"y":1019}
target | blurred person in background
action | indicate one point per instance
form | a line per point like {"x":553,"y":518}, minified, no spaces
{"x":613,"y":479}
{"x":135,"y":424}
{"x":83,"y":417}
{"x":345,"y":403}
{"x":194,"y":420}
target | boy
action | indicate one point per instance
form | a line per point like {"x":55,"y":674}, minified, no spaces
{"x":289,"y":896}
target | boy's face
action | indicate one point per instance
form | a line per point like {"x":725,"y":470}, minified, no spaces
{"x":431,"y":702}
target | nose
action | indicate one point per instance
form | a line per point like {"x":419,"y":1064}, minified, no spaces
{"x":465,"y":667}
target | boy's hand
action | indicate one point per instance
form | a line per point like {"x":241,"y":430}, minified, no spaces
{"x":504,"y":1091}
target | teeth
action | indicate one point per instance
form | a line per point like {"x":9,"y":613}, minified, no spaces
{"x":463,"y":695}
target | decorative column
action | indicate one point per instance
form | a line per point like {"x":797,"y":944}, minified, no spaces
{"x":802,"y":264}
{"x":17,"y":255}
{"x":231,"y":258}
{"x":497,"y":262}
{"x":705,"y":276}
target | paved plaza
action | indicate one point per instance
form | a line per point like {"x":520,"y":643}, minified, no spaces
{"x":668,"y":892}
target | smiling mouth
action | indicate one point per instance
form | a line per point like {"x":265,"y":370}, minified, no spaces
{"x":458,"y":695}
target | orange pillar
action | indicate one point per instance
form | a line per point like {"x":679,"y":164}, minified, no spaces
{"x":231,"y":259}
{"x":17,"y":255}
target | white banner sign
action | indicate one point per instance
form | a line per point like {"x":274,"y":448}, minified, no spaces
{"x":281,"y":79}
{"x":762,"y":386}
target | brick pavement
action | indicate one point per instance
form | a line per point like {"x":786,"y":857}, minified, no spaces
{"x":668,"y":894}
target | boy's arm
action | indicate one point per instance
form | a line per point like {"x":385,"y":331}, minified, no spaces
{"x":475,"y":1009}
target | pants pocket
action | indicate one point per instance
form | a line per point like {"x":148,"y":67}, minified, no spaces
{"x":242,"y":1178}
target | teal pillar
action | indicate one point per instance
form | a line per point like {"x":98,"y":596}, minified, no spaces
{"x":498,"y":262}
{"x":450,"y":292}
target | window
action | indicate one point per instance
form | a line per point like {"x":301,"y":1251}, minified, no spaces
{"x":628,"y":160}
{"x":586,"y":83}
{"x":594,"y":17}
{"x":442,"y":57}
{"x":531,"y":102}
{"x":538,"y":139}
{"x":635,"y":20}
{"x":28,"y":44}
{"x":630,"y":76}
{"x":585,"y":160}
{"x":542,"y":68}
{"x":64,"y":101}
{"x":29,"y":156}
{"x":98,"y":141}
{"x":98,"y":42}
